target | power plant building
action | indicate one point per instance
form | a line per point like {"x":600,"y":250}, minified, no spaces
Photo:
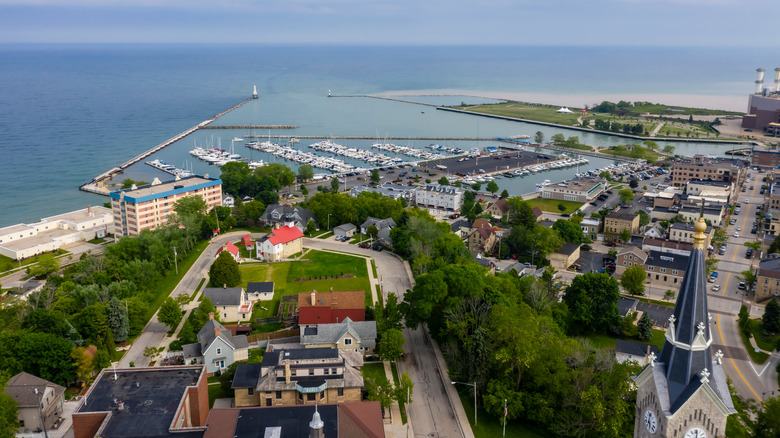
{"x":764,"y":106}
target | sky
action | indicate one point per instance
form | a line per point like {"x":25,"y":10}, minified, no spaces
{"x":416,"y":22}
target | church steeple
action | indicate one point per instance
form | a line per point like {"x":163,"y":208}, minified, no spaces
{"x":686,"y":351}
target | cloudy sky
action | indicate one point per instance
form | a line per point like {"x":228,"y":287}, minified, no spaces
{"x":513,"y":22}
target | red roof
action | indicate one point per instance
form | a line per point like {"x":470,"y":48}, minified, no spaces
{"x":233,"y":249}
{"x":247,"y":240}
{"x":284,"y":234}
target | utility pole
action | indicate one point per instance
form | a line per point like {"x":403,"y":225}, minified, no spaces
{"x":175,"y":262}
{"x":505,"y":418}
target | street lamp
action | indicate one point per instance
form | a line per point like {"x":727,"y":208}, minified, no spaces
{"x":175,"y":261}
{"x":329,"y":221}
{"x":475,"y":397}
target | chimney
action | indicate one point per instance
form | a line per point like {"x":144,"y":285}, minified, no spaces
{"x":759,"y":80}
{"x":216,"y":330}
{"x":211,"y":316}
{"x":313,"y":297}
{"x":89,"y":210}
{"x":777,"y":80}
{"x":287,"y":373}
{"x":316,"y":425}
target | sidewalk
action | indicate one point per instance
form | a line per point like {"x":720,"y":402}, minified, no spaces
{"x":396,"y":428}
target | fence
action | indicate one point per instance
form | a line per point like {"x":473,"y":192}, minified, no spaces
{"x":287,"y":333}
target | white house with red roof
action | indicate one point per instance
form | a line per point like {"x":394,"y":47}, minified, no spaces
{"x":230,"y":248}
{"x":280,"y":243}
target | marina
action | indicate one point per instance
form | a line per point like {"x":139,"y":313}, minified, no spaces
{"x":169,"y":168}
{"x":355,"y":153}
{"x":289,"y":153}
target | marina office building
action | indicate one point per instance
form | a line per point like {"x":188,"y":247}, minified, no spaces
{"x":149,"y":206}
{"x":578,"y":190}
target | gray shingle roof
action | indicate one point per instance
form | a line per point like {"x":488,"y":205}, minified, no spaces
{"x":21,"y":388}
{"x":192,"y":350}
{"x":667,"y":260}
{"x":259,"y":287}
{"x":246,"y":375}
{"x":219,"y":296}
{"x":345,"y":227}
{"x":379,"y":223}
{"x":276,"y":213}
{"x":363,"y":331}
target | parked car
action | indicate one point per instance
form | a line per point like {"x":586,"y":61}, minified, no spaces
{"x":716,"y":288}
{"x":741,"y":285}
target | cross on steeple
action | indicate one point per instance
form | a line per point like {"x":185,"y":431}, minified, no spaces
{"x":705,"y":375}
{"x":719,"y":357}
{"x":701,"y":328}
{"x":651,"y":359}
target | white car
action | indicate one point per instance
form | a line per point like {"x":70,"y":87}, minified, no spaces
{"x":716,"y":288}
{"x":747,"y":201}
{"x":739,"y":228}
{"x":736,"y":234}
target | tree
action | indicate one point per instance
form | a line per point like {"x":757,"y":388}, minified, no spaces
{"x":476,"y":186}
{"x":669,"y":149}
{"x":192,"y":205}
{"x":380,"y":389}
{"x":645,"y":328}
{"x":334,"y":185}
{"x":170,"y":313}
{"x":375,"y":176}
{"x":372,"y":231}
{"x":743,"y":318}
{"x":771,"y":318}
{"x":41,"y":354}
{"x":719,"y":237}
{"x":391,"y":345}
{"x":305,"y":172}
{"x":644,"y":218}
{"x":768,"y":419}
{"x":311,"y":227}
{"x":117,"y":320}
{"x":669,"y":295}
{"x":444,"y":181}
{"x":492,"y":187}
{"x":558,"y":138}
{"x":626,"y":195}
{"x":748,"y":276}
{"x":633,"y":183}
{"x":83,"y":364}
{"x":9,"y":410}
{"x":226,"y":378}
{"x":504,"y":194}
{"x":568,"y":230}
{"x":711,"y":265}
{"x":625,"y":235}
{"x":405,"y":388}
{"x":539,"y":137}
{"x":633,"y":280}
{"x":755,"y":246}
{"x":46,"y":265}
{"x":224,"y":271}
{"x":592,"y":301}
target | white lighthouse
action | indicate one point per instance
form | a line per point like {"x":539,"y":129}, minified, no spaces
{"x":254,"y":92}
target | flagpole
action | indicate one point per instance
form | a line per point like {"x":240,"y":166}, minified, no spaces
{"x":505,"y":413}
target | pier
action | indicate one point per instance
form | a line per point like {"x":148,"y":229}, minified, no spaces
{"x":250,"y":127}
{"x":374,"y":138}
{"x":570,"y":150}
{"x":98,"y":183}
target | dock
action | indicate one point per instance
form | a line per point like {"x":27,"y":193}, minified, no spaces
{"x":374,"y":138}
{"x":570,"y":150}
{"x":98,"y":183}
{"x":250,"y":127}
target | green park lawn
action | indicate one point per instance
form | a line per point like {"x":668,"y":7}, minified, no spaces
{"x":489,"y":426}
{"x":516,"y":110}
{"x":551,"y":205}
{"x":373,"y":370}
{"x":322,"y":264}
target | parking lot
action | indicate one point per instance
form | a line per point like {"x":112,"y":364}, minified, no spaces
{"x":504,"y":160}
{"x":658,"y":314}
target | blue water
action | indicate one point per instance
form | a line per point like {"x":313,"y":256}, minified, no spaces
{"x":71,"y":112}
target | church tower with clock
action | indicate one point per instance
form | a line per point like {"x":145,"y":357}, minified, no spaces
{"x":683,"y":393}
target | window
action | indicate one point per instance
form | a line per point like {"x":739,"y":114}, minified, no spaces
{"x":250,"y":391}
{"x":219,"y":351}
{"x":326,"y":371}
{"x":311,"y":372}
{"x":278,"y":395}
{"x":333,"y":371}
{"x":268,"y":402}
{"x":347,"y":341}
{"x":341,"y":392}
{"x":310,"y":397}
{"x":663,"y":270}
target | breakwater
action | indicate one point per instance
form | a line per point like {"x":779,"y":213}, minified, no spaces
{"x":98,"y":183}
{"x":250,"y":127}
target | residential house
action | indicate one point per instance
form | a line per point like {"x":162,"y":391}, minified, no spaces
{"x":345,"y":335}
{"x":345,"y":230}
{"x":665,"y":270}
{"x":171,"y":401}
{"x":768,"y":278}
{"x":439,"y":197}
{"x":590,"y":228}
{"x":301,"y":376}
{"x":34,"y":395}
{"x":231,"y":303}
{"x":461,"y":228}
{"x":231,"y":249}
{"x":246,"y":240}
{"x":281,"y":243}
{"x":629,"y":256}
{"x":577,"y":190}
{"x":390,"y":190}
{"x":538,"y":213}
{"x":634,"y":351}
{"x":617,"y":221}
{"x":216,"y":348}
{"x":285,"y":215}
{"x":260,"y":291}
{"x":481,"y":240}
{"x":655,"y":231}
{"x":343,"y":420}
{"x":383,"y":227}
{"x":331,"y":307}
{"x":498,"y":209}
{"x":565,"y":256}
{"x":683,"y":232}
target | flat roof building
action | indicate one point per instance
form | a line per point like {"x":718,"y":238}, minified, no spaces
{"x":439,"y":197}
{"x":704,"y":168}
{"x":577,"y":190}
{"x":148,"y":207}
{"x":148,"y":402}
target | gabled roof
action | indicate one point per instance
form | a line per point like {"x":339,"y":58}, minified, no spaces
{"x":207,"y":336}
{"x":634,"y":348}
{"x":363,"y":331}
{"x":537,"y":212}
{"x":630,"y":249}
{"x":567,"y":248}
{"x":501,"y":205}
{"x":460,"y":223}
{"x":286,"y":212}
{"x":22,"y":388}
{"x":484,"y":232}
{"x":284,"y":235}
{"x":482,"y":223}
{"x":336,"y":299}
{"x":259,"y":287}
{"x":230,"y":296}
{"x":345,"y":227}
{"x":229,"y":247}
{"x":378,"y":223}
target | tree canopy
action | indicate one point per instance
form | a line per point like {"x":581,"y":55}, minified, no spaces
{"x":592,"y":300}
{"x":633,"y":279}
{"x":224,"y":271}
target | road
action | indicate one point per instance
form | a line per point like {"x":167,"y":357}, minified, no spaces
{"x":431,"y":412}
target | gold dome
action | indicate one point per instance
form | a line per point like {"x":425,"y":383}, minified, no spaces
{"x":700,"y":226}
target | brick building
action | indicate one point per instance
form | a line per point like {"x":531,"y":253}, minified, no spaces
{"x":704,"y":168}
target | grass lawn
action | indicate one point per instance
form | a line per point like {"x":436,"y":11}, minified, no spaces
{"x":635,"y":152}
{"x":215,"y":392}
{"x":322,"y":264}
{"x":326,"y":235}
{"x":373,"y":370}
{"x":256,"y":355}
{"x":758,"y":357}
{"x":490,"y":426}
{"x":396,"y":382}
{"x":517,"y":110}
{"x":580,"y":146}
{"x":764,"y":341}
{"x":7,"y":263}
{"x":97,"y":241}
{"x":163,"y":288}
{"x":648,"y":300}
{"x":551,"y":205}
{"x":607,"y":341}
{"x":373,"y":268}
{"x":677,"y":110}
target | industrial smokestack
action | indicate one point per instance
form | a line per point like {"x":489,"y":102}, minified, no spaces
{"x":759,"y":80}
{"x":777,"y":80}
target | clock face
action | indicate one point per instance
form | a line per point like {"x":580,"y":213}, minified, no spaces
{"x":650,"y":421}
{"x":695,"y":433}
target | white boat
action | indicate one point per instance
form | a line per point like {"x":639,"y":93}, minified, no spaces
{"x":543,"y":184}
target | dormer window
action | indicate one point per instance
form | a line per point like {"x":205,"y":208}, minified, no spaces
{"x":347,"y":341}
